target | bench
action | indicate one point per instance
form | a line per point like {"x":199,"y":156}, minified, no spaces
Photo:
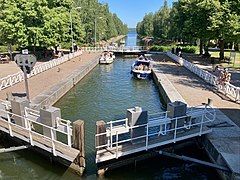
{"x":4,"y":60}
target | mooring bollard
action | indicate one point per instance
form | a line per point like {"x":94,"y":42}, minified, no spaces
{"x":18,"y":107}
{"x":79,"y":163}
{"x":210,"y":102}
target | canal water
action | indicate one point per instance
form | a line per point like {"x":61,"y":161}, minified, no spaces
{"x":105,"y":94}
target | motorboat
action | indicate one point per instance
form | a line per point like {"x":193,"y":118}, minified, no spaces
{"x":142,"y":68}
{"x":107,"y":58}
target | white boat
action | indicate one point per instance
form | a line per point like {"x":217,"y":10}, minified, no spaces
{"x":107,"y":58}
{"x":142,"y":68}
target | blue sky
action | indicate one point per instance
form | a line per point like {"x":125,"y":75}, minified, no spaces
{"x":132,"y":11}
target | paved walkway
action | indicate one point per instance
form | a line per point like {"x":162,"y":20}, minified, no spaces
{"x":47,"y":79}
{"x":10,"y":68}
{"x":196,"y":91}
{"x":206,"y":65}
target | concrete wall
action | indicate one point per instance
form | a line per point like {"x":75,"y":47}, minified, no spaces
{"x":222,"y":145}
{"x":51,"y":96}
{"x":165,"y":87}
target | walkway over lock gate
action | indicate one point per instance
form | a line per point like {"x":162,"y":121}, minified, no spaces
{"x":119,"y":138}
{"x":116,"y":49}
{"x":35,"y":128}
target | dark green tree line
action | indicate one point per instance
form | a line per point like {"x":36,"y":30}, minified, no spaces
{"x":47,"y":22}
{"x":191,"y":20}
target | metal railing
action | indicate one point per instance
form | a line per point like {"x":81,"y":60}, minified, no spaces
{"x":112,"y":48}
{"x":12,"y":79}
{"x":30,"y":120}
{"x":157,"y":126}
{"x":227,"y":89}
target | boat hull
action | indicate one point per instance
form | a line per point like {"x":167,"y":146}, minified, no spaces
{"x":141,"y":75}
{"x":104,"y":61}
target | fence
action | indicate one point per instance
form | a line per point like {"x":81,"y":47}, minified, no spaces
{"x":10,"y":80}
{"x":112,"y":48}
{"x":159,"y":126}
{"x":227,"y":89}
{"x":32,"y":131}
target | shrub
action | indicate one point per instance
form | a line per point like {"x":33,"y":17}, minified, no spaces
{"x":160,"y":48}
{"x":189,"y":49}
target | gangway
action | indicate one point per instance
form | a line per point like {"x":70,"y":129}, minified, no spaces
{"x":120,"y":138}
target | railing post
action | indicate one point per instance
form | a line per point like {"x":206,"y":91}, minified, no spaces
{"x":237,"y":94}
{"x":68,"y":134}
{"x":147,"y":138}
{"x":111,"y":134}
{"x":200,"y":133}
{"x":52,"y":139}
{"x":9,"y":124}
{"x":175,"y":130}
{"x":116,"y":144}
{"x":29,"y":131}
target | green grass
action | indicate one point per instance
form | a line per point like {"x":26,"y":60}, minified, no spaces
{"x":227,"y":54}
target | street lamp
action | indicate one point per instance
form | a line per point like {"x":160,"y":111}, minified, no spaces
{"x":72,"y":25}
{"x":95,"y":30}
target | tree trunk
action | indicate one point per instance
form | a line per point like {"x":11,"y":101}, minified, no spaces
{"x":233,"y":46}
{"x":10,"y":51}
{"x":221,"y":45}
{"x":201,"y":47}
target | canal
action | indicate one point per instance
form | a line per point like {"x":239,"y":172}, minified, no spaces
{"x":105,"y":94}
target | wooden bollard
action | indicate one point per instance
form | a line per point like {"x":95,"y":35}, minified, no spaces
{"x":101,"y":128}
{"x":78,"y":164}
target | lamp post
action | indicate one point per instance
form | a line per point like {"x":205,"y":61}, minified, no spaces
{"x":95,"y":30}
{"x":72,"y":25}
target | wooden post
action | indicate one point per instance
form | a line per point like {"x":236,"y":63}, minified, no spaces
{"x":78,"y":164}
{"x":101,"y":128}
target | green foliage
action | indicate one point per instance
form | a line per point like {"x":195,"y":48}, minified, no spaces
{"x":189,"y":49}
{"x":191,"y":20}
{"x":186,"y":49}
{"x":47,"y":22}
{"x":160,"y":48}
{"x":157,"y":24}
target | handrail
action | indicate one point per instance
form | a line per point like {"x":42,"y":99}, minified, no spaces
{"x":227,"y":89}
{"x":111,"y":48}
{"x":28,"y":123}
{"x":144,"y":136}
{"x":10,"y":80}
{"x":205,"y":116}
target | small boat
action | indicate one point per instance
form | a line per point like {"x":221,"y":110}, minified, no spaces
{"x":107,"y":58}
{"x":142,"y":68}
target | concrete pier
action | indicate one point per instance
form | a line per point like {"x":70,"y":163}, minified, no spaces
{"x":52,"y":95}
{"x":223,"y":144}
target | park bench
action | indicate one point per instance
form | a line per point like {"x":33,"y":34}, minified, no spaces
{"x":4,"y":60}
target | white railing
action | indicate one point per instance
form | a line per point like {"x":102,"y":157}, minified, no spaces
{"x":228,"y":89}
{"x":112,"y":48}
{"x":10,"y":80}
{"x":31,"y":119}
{"x":116,"y":136}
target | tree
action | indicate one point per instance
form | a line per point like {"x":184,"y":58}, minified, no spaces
{"x":161,"y":22}
{"x":225,"y":22}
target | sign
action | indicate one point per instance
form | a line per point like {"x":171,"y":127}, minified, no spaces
{"x":25,"y":61}
{"x":25,"y":51}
